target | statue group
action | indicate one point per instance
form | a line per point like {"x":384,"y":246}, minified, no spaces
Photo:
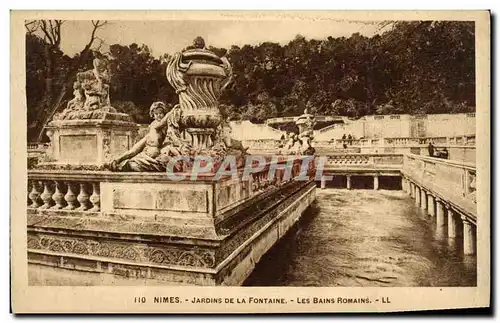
{"x":301,"y":143}
{"x":91,"y":93}
{"x":164,"y":141}
{"x":192,"y":127}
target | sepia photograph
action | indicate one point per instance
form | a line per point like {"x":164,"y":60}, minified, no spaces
{"x":338,"y":153}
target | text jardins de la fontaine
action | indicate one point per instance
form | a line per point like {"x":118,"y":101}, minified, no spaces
{"x":261,"y":300}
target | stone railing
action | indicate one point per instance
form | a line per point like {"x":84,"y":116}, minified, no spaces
{"x":317,"y":118}
{"x":69,"y":194}
{"x":369,"y":161}
{"x":262,"y":144}
{"x":400,"y":142}
{"x":459,"y":148}
{"x":452,"y":181}
{"x":35,"y":147}
{"x":62,"y":191}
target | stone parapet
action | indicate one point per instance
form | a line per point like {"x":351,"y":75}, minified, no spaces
{"x":144,"y":226}
{"x":450,"y":181}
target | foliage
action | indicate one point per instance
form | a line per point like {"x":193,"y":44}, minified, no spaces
{"x":416,"y":67}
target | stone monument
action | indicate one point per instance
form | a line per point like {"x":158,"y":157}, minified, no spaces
{"x":301,"y":143}
{"x":89,"y":130}
{"x":199,"y":76}
{"x":194,"y":126}
{"x":143,"y":223}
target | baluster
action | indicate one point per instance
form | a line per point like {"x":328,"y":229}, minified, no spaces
{"x":58,"y":196}
{"x":34,"y":196}
{"x":70,"y":197}
{"x":95,"y":198}
{"x":46,"y":196}
{"x":83,"y":197}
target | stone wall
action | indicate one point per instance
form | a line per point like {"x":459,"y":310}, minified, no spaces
{"x":404,"y":126}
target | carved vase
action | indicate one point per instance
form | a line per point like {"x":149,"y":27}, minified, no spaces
{"x":199,"y":77}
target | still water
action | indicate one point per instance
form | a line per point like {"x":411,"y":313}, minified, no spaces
{"x":364,"y":238}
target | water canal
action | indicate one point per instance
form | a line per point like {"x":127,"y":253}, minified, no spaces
{"x":365,"y":238}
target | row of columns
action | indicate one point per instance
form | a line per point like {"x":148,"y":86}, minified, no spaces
{"x":348,"y":182}
{"x":447,"y":218}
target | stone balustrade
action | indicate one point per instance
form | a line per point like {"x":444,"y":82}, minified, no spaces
{"x":369,"y":161}
{"x":364,"y":165}
{"x":68,"y":195}
{"x":446,"y":190}
{"x":35,"y":147}
{"x":75,"y":190}
{"x":208,"y":231}
{"x":400,"y":142}
{"x":459,"y":148}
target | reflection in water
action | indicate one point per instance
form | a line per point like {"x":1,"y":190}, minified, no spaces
{"x":365,"y":238}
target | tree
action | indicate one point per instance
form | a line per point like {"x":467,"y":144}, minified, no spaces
{"x":58,"y":70}
{"x":414,"y":67}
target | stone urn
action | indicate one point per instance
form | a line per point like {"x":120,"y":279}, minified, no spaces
{"x":199,"y":77}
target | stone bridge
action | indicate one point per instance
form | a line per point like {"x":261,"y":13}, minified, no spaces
{"x":446,"y":190}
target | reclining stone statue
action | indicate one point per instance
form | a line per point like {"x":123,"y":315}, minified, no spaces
{"x":155,"y":149}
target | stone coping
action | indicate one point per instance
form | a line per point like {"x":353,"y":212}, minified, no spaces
{"x":364,"y":154}
{"x":447,"y":162}
{"x":125,"y":177}
{"x":92,"y":123}
{"x":142,"y":177}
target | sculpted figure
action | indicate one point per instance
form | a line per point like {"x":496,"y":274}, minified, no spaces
{"x":79,"y":98}
{"x":226,"y":142}
{"x":162,"y":141}
{"x":95,"y":84}
{"x":75,"y":104}
{"x":306,"y":133}
{"x":101,"y":73}
{"x":91,"y":94}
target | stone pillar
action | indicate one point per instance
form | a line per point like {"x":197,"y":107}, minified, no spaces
{"x":403,"y":184}
{"x":423,"y":200}
{"x":430,"y":205}
{"x":348,"y":182}
{"x":412,"y":189}
{"x":375,"y":182}
{"x":440,"y":209}
{"x":452,"y":224}
{"x":323,"y":182}
{"x":417,"y":196}
{"x":469,"y":243}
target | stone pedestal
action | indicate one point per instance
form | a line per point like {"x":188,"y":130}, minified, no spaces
{"x":90,"y":142}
